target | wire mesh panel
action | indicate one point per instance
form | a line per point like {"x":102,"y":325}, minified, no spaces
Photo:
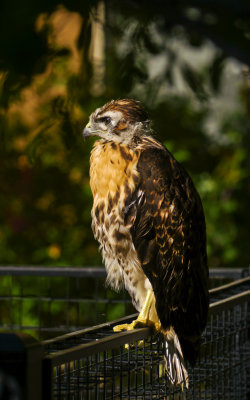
{"x":48,"y":301}
{"x":116,"y":373}
{"x":99,"y":364}
{"x":223,"y":369}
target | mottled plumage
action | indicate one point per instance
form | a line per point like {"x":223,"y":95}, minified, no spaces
{"x":149,"y":221}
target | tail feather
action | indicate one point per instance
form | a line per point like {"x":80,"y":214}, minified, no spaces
{"x":174,"y":362}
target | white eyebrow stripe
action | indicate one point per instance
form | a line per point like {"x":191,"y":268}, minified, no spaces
{"x":114,"y":115}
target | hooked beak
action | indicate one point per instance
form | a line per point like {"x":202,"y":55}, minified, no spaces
{"x":87,"y":130}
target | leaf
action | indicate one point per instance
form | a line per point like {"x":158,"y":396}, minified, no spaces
{"x":215,"y":71}
{"x":150,"y":44}
{"x":194,"y":81}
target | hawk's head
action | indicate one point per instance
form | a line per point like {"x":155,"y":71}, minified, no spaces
{"x":121,"y":121}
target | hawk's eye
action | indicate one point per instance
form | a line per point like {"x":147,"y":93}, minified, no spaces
{"x":105,"y":120}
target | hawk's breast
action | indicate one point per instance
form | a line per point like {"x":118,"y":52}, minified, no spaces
{"x":113,"y":179}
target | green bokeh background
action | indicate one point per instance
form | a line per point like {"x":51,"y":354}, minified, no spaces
{"x":51,"y":80}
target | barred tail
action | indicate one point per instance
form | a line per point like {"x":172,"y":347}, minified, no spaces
{"x":174,"y":362}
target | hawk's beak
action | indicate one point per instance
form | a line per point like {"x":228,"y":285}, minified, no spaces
{"x":87,"y":130}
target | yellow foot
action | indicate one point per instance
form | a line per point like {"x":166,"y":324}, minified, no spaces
{"x":138,"y":323}
{"x":124,"y":327}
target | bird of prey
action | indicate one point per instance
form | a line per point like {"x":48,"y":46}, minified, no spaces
{"x":149,"y":221}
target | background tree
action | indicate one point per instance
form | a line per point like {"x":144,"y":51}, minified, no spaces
{"x":59,"y":61}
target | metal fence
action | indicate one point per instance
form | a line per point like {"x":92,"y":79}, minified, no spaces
{"x":93,"y":363}
{"x":48,"y":301}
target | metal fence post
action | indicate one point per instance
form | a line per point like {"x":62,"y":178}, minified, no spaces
{"x":20,"y":367}
{"x":47,"y":380}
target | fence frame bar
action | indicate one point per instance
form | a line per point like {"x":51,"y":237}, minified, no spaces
{"x":119,"y":339}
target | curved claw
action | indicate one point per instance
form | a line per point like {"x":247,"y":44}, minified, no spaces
{"x":138,"y":323}
{"x":124,"y":327}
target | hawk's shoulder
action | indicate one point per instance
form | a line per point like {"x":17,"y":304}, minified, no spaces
{"x":161,"y":172}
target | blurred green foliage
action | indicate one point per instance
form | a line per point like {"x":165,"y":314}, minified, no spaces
{"x":50,"y":81}
{"x":47,"y":306}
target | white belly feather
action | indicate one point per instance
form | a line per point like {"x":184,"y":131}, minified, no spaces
{"x":110,"y":186}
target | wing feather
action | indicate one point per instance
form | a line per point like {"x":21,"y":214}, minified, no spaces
{"x":168,"y":232}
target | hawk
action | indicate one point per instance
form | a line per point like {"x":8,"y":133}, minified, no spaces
{"x":149,"y":221}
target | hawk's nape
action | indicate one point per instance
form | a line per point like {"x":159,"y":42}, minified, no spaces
{"x":149,"y":221}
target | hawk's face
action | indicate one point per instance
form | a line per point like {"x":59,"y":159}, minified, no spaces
{"x":121,"y":121}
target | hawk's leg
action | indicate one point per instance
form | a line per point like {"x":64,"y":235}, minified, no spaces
{"x":147,"y":316}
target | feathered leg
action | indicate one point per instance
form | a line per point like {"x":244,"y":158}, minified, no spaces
{"x":174,"y":362}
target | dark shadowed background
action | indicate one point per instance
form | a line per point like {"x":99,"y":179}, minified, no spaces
{"x":60,"y":60}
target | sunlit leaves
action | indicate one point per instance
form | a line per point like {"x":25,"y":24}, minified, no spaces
{"x":152,"y":54}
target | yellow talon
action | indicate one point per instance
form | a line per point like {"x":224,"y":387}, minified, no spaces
{"x":143,"y":319}
{"x":138,"y":323}
{"x":124,"y":327}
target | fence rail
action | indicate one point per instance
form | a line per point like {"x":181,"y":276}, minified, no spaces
{"x":99,"y":272}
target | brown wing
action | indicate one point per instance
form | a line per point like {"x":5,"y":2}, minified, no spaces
{"x":169,"y":235}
